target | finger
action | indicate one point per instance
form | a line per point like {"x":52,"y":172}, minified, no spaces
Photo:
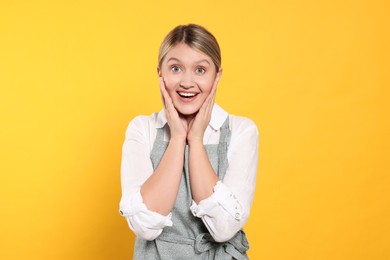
{"x":186,"y":123}
{"x":166,"y":97}
{"x":190,"y":124}
{"x":162,"y":91}
{"x":211,"y":98}
{"x":214,"y":89}
{"x":205,"y":108}
{"x":211,"y":95}
{"x":169,"y":107}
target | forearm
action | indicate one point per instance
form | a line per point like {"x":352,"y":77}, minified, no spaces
{"x":160,"y":190}
{"x":202,"y":175}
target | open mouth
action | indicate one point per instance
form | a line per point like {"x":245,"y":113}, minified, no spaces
{"x":187,"y":94}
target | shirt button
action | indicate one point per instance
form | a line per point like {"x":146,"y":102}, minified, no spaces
{"x":237,"y":216}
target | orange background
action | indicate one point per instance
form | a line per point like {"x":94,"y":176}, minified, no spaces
{"x":313,"y":75}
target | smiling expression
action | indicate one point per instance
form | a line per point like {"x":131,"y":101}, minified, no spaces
{"x":189,"y":76}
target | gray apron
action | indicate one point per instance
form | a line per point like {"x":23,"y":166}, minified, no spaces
{"x":188,"y":238}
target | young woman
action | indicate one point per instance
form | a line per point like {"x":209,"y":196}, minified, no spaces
{"x":188,"y":172}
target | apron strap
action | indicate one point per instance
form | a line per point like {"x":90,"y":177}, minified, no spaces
{"x":223,"y":147}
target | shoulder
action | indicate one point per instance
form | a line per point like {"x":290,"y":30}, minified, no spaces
{"x":240,"y":125}
{"x":142,"y":124}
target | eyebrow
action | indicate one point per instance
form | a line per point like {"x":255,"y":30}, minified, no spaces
{"x":176,"y":59}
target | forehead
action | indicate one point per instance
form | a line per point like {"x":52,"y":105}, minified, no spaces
{"x":186,"y":54}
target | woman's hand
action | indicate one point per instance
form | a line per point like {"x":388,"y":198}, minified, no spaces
{"x":197,"y":126}
{"x":177,"y":125}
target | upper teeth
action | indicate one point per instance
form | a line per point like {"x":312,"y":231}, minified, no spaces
{"x":187,"y":94}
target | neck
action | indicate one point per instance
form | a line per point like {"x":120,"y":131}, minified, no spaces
{"x":188,"y":118}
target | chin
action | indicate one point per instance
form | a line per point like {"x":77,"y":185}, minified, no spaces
{"x":187,"y":111}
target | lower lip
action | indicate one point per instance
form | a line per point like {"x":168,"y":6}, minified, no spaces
{"x":183,"y":99}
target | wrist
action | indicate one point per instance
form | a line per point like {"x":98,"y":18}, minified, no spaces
{"x":195,"y":142}
{"x":177,"y":140}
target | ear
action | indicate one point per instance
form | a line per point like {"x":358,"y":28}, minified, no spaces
{"x":218,"y":75}
{"x":159,"y":72}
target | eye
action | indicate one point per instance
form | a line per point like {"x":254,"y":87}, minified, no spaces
{"x":175,"y":68}
{"x":200,"y":70}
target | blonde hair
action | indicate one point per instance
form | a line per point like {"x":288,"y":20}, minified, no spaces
{"x":196,"y":37}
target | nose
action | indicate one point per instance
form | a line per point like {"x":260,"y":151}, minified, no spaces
{"x":185,"y":85}
{"x":186,"y":81}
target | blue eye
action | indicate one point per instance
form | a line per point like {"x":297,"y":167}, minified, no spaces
{"x":200,"y":70}
{"x":175,"y":69}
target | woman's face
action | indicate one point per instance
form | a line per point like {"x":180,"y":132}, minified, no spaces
{"x":189,"y":76}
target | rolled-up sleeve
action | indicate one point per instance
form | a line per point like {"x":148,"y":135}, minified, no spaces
{"x":136,"y":167}
{"x":144,"y":223}
{"x":226,"y":211}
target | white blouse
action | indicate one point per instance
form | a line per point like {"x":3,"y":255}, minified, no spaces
{"x":226,"y":210}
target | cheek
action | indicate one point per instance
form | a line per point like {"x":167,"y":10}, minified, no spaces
{"x":170,"y":83}
{"x":206,"y":84}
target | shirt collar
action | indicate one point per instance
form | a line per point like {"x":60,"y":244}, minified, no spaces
{"x":161,"y":119}
{"x":218,"y":117}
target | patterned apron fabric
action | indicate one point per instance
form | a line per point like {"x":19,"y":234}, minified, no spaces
{"x":188,"y":238}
